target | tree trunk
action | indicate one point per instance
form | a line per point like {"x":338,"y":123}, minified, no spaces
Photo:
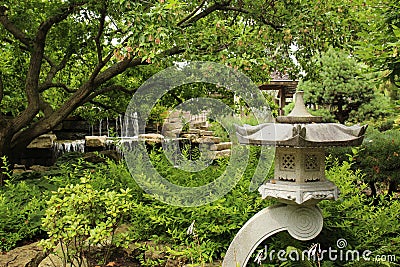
{"x":373,"y":188}
{"x":392,"y":187}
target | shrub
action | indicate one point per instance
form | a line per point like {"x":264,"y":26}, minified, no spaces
{"x":380,"y":159}
{"x":80,"y":218}
{"x":21,"y":207}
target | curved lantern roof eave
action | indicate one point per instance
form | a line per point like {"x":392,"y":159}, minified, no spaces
{"x":301,"y":129}
{"x":301,"y":135}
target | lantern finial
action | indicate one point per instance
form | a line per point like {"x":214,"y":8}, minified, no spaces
{"x":299,"y":113}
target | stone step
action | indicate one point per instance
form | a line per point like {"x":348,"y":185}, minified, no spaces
{"x":223,"y":153}
{"x":221,"y":146}
{"x":208,"y":139}
{"x":206,"y":133}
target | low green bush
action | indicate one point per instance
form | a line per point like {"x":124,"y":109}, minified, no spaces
{"x":80,"y":218}
{"x":22,"y":205}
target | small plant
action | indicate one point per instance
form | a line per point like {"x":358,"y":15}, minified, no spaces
{"x":21,"y":206}
{"x":5,"y":170}
{"x":79,"y":219}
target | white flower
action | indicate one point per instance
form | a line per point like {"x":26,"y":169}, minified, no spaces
{"x":191,"y":229}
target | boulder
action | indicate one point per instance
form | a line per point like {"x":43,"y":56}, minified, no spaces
{"x":223,"y":153}
{"x":208,"y":139}
{"x":151,"y":138}
{"x":43,"y":141}
{"x":206,"y":133}
{"x":26,"y":256}
{"x":221,"y":146}
{"x":95,"y":141}
{"x":39,"y":168}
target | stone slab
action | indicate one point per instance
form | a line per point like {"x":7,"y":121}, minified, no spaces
{"x":221,"y":146}
{"x":95,"y":141}
{"x":43,"y":141}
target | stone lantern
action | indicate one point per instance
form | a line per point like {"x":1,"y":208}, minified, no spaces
{"x":299,"y":181}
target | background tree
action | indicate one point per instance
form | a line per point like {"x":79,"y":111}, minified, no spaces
{"x":379,"y":40}
{"x":340,"y":86}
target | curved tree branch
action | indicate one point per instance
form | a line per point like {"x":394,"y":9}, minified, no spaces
{"x":104,"y":106}
{"x":223,"y":6}
{"x":110,"y":88}
{"x":54,"y":68}
{"x":201,"y":15}
{"x":12,"y":28}
{"x":35,"y":64}
{"x":192,"y":13}
{"x":47,"y":85}
{"x":100,"y":31}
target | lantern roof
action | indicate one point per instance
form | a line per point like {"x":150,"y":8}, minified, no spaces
{"x":301,"y":129}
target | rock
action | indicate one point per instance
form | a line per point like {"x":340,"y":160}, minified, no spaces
{"x":168,"y":126}
{"x":206,"y":133}
{"x":194,"y":131}
{"x":39,"y":168}
{"x":93,"y":157}
{"x":151,"y":138}
{"x":221,"y":146}
{"x":189,"y":136}
{"x":19,"y":166}
{"x":199,"y":124}
{"x":26,"y":256}
{"x":223,"y":153}
{"x":208,"y":139}
{"x":95,"y":141}
{"x":111,"y":154}
{"x":43,"y":141}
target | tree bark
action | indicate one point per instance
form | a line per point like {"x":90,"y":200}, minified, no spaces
{"x":373,"y":189}
{"x":392,"y":187}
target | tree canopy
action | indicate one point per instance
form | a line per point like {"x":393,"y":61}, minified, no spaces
{"x":379,"y":37}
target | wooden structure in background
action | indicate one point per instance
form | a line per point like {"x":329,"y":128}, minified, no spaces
{"x":284,"y":86}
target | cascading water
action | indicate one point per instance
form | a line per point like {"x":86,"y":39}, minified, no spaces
{"x":129,"y":131}
{"x":130,"y":127}
{"x":65,"y":146}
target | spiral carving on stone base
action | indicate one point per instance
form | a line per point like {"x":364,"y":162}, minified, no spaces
{"x":305,"y":222}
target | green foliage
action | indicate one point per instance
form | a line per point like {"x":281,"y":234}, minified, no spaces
{"x":379,"y":158}
{"x":4,"y":170}
{"x":22,"y":205}
{"x":89,"y":209}
{"x":380,"y":37}
{"x":338,"y":85}
{"x":79,"y":218}
{"x":376,"y":110}
{"x":364,"y":226}
{"x":215,"y":223}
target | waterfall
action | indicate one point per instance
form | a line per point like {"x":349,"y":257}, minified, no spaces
{"x":120,"y":124}
{"x":130,"y":126}
{"x":100,"y":126}
{"x":66,"y":146}
{"x":108,"y":128}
